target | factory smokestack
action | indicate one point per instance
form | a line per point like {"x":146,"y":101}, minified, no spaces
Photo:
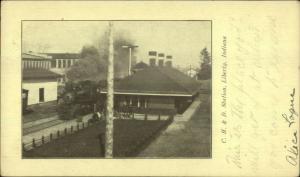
{"x":161,"y":57}
{"x":152,"y":58}
{"x":169,"y":60}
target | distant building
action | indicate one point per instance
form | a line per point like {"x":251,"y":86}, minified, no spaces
{"x":32,"y":60}
{"x":39,"y":84}
{"x":61,"y":63}
{"x":190,"y":71}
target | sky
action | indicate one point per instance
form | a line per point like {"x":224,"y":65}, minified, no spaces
{"x":182,"y":39}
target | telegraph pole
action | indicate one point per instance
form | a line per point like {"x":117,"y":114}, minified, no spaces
{"x":110,"y":97}
{"x":130,"y":47}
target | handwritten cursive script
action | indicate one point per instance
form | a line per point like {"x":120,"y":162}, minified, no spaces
{"x":292,"y":147}
{"x":292,"y":113}
{"x":292,"y":150}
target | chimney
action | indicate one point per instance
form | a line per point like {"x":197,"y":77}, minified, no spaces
{"x":161,"y":57}
{"x":169,"y":60}
{"x":152,"y":58}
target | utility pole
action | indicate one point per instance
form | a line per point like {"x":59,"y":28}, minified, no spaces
{"x":110,"y":97}
{"x":129,"y":65}
{"x":130,"y":47}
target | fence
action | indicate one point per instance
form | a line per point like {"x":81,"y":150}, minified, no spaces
{"x":120,"y":115}
{"x":53,"y":136}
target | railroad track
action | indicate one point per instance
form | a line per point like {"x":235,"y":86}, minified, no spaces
{"x":41,"y":126}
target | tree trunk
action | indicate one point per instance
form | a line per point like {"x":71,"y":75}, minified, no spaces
{"x":110,"y":97}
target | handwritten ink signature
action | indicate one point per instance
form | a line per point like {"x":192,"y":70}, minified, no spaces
{"x":291,"y":118}
{"x":292,"y":148}
{"x":293,"y":151}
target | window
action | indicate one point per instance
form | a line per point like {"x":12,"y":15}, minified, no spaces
{"x":64,"y":63}
{"x":69,"y":63}
{"x":134,"y":101}
{"x":59,"y":63}
{"x":53,"y":63}
{"x":24,"y":64}
{"x":142,"y":102}
{"x":41,"y":95}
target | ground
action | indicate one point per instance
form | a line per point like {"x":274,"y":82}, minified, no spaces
{"x":134,"y":136}
{"x":130,"y":137}
{"x":192,"y":140}
{"x":40,"y":111}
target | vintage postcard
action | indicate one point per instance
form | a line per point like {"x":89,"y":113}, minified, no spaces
{"x":157,"y":91}
{"x":165,"y":88}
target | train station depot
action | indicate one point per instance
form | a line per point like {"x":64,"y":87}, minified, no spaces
{"x":156,"y":89}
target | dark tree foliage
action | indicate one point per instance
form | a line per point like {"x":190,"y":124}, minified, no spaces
{"x":205,"y":71}
{"x":93,"y":65}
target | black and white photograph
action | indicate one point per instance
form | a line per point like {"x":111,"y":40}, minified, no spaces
{"x":149,"y":88}
{"x":116,"y":89}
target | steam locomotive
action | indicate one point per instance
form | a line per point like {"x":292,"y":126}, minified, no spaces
{"x":79,"y":99}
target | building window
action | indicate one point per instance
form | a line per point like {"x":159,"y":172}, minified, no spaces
{"x":69,"y":63}
{"x":41,"y":95}
{"x":59,"y":64}
{"x":134,"y":102}
{"x":142,"y":102}
{"x":64,"y":63}
{"x":53,"y":64}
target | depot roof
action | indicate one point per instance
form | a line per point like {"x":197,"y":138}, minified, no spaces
{"x":165,"y":81}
